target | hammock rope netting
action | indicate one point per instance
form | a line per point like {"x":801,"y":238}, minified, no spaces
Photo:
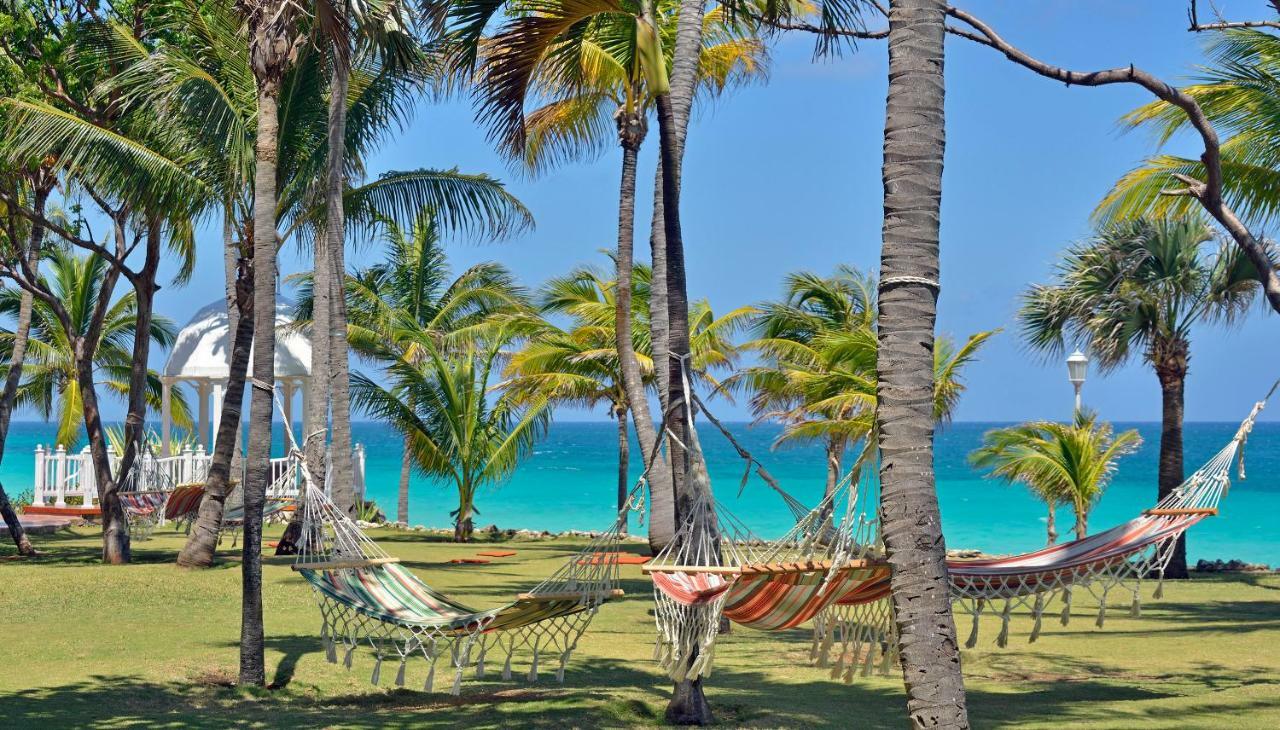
{"x":828,"y":570}
{"x":367,"y":599}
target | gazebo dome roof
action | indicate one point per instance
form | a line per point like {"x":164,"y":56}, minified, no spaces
{"x":203,"y":346}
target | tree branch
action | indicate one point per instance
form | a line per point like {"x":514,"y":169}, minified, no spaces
{"x":1208,"y":192}
{"x":1222,"y":24}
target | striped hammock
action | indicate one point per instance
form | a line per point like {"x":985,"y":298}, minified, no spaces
{"x":367,"y":598}
{"x":142,"y":511}
{"x":1117,"y":559}
{"x":715,"y":567}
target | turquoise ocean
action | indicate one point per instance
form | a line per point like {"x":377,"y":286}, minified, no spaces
{"x":570,"y":483}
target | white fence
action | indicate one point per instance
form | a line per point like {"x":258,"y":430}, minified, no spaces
{"x":61,"y":474}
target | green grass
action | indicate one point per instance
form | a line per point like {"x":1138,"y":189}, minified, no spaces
{"x":149,"y":645}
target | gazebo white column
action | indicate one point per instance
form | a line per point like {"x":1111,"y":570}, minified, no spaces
{"x":166,"y":414}
{"x":202,"y":394}
{"x":286,"y":394}
{"x":219,"y":389}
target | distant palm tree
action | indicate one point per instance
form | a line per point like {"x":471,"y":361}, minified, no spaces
{"x":1058,"y":462}
{"x":409,"y":295}
{"x":456,"y":427}
{"x":49,"y":382}
{"x":1136,"y":289}
{"x":580,"y":366}
{"x":818,"y":375}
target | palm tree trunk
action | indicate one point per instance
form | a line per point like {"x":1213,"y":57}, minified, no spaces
{"x":199,"y":549}
{"x":144,"y":287}
{"x":406,"y":470}
{"x":1082,"y":521}
{"x":335,"y":230}
{"x":258,"y":460}
{"x":688,"y":705}
{"x":1051,"y":524}
{"x":835,"y":452}
{"x":1171,"y":368}
{"x":13,"y":378}
{"x":624,"y":461}
{"x":914,"y":142}
{"x":232,"y":254}
{"x":631,"y":133}
{"x":115,"y":530}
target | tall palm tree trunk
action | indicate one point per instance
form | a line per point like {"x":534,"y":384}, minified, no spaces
{"x":624,"y":461}
{"x":1051,"y":524}
{"x":201,"y":544}
{"x":631,"y":133}
{"x":406,"y":470}
{"x":145,"y":288}
{"x":115,"y":530}
{"x":258,"y":466}
{"x":1171,"y":368}
{"x":914,"y":142}
{"x":13,"y":378}
{"x":688,"y":705}
{"x":335,"y":230}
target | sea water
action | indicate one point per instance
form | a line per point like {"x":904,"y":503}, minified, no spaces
{"x":570,"y":482}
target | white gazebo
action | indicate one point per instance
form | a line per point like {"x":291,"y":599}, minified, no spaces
{"x":201,"y":358}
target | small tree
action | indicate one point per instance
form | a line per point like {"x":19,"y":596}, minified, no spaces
{"x":1058,"y":462}
{"x":455,"y":428}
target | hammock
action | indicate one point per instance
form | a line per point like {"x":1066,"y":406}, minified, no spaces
{"x":366,"y":597}
{"x":1118,"y":558}
{"x":715,"y":566}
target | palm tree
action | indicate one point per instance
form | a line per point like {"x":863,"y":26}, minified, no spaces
{"x":593,"y":88}
{"x":791,"y":335}
{"x":203,"y":82}
{"x":1136,"y":289}
{"x":914,"y":139}
{"x":394,"y":303}
{"x":1058,"y":462}
{"x":1238,"y":92}
{"x":456,"y":428}
{"x":273,"y":42}
{"x":49,"y":384}
{"x":580,"y":365}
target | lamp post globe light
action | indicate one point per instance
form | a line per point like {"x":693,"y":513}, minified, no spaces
{"x":1077,"y":368}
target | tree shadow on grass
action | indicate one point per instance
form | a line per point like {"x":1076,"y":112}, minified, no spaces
{"x":597,"y":693}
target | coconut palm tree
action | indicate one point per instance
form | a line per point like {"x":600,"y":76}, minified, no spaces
{"x":457,"y":428}
{"x":791,"y":334}
{"x":1058,"y":462}
{"x":1135,"y":290}
{"x":394,"y":303}
{"x":1239,"y":92}
{"x":49,"y":384}
{"x":599,"y":96}
{"x":580,"y":366}
{"x":273,"y":40}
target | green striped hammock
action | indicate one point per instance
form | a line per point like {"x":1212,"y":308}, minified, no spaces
{"x":368,"y":599}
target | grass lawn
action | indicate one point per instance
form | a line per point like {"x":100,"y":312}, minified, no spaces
{"x":149,"y":645}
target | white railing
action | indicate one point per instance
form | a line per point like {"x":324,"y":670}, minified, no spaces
{"x":61,"y":475}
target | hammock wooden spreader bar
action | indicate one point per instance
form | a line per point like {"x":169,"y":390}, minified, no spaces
{"x":803,"y":566}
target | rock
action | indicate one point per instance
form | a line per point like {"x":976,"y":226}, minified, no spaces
{"x":1230,"y":566}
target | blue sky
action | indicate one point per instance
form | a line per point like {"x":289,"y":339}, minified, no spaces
{"x":786,"y":175}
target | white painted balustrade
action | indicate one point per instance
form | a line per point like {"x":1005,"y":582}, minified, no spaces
{"x":61,"y":475}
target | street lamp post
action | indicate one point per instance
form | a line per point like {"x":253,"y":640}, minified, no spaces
{"x":1077,"y":367}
